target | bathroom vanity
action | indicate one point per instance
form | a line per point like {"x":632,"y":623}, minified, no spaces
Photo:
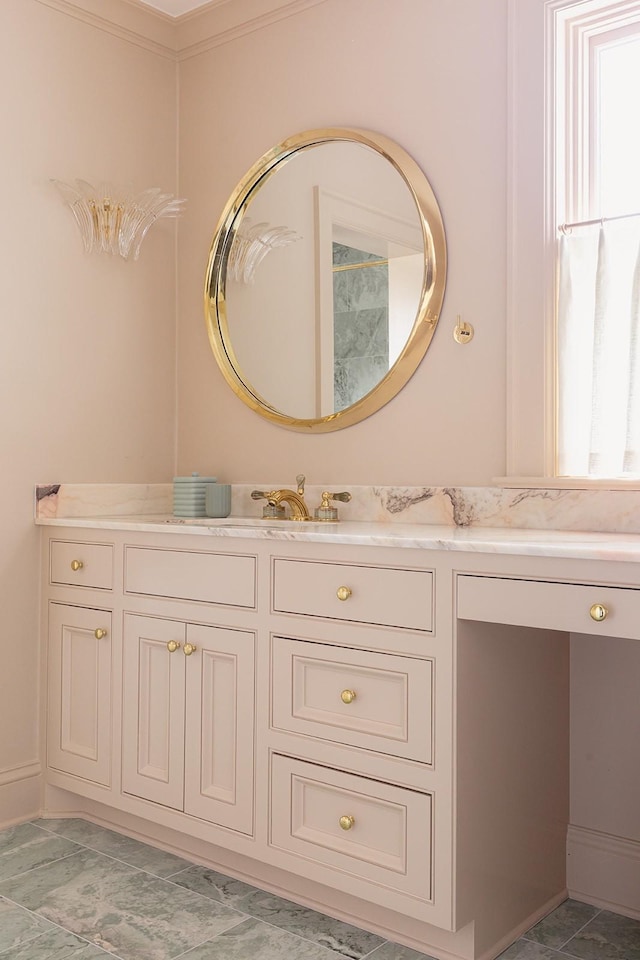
{"x":369,"y":719}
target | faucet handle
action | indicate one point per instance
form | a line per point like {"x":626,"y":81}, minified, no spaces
{"x":271,"y":510}
{"x":326,"y":512}
{"x":345,"y":496}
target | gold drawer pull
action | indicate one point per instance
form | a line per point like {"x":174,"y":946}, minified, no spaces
{"x":188,"y":649}
{"x":343,"y":593}
{"x":347,"y":822}
{"x":99,"y":634}
{"x":598,"y":612}
{"x":172,"y":646}
{"x":76,"y":565}
{"x":348,"y":696}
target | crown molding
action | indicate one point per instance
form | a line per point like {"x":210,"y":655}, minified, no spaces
{"x":127,"y":19}
{"x":222,"y":21}
{"x":179,"y":38}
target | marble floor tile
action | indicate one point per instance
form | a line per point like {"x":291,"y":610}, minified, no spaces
{"x":124,"y":910}
{"x":529,"y":950}
{"x":255,"y":939}
{"x":56,"y":944}
{"x":342,"y":938}
{"x":24,"y":847}
{"x":133,"y":852}
{"x":216,"y":886}
{"x":607,"y":937}
{"x":562,"y":923}
{"x":18,"y":926}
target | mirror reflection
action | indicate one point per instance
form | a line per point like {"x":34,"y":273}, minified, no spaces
{"x":322,"y":268}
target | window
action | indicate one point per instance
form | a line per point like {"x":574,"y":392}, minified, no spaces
{"x":597,"y":157}
{"x":575,"y":151}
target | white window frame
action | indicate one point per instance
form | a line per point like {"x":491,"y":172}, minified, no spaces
{"x":537,"y":203}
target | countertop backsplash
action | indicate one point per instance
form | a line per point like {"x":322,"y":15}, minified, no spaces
{"x":614,"y":511}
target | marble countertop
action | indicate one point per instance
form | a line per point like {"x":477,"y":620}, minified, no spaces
{"x":498,"y":540}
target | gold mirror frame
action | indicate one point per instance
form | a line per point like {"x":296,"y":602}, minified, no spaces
{"x":431,"y":298}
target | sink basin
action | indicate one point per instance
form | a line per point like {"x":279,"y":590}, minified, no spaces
{"x":256,"y":523}
{"x":237,"y":522}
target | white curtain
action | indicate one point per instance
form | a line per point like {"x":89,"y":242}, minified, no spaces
{"x":598,"y":351}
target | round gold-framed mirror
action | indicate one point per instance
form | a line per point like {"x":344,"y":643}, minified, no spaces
{"x":326,"y":278}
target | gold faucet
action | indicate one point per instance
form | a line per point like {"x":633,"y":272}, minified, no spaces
{"x":277,"y":498}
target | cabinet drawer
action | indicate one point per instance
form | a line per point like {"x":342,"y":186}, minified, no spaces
{"x":81,"y":564}
{"x":389,"y":596}
{"x":208,"y":577}
{"x":369,"y":700}
{"x":553,"y":606}
{"x":388,"y":837}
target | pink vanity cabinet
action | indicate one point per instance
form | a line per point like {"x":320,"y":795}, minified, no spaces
{"x":378,"y":732}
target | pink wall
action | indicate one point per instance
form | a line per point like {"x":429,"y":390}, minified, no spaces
{"x":87,"y":362}
{"x":433,"y":77}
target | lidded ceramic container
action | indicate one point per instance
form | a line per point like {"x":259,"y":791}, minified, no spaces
{"x":189,"y":495}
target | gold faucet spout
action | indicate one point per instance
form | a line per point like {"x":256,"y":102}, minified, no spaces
{"x":277,"y":498}
{"x":299,"y":509}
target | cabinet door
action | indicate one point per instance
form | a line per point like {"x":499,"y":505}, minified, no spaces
{"x":220,"y":727}
{"x":153,"y":709}
{"x":79,"y":703}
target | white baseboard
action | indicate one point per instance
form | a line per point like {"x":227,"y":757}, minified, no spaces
{"x":20,"y":793}
{"x":604,"y":870}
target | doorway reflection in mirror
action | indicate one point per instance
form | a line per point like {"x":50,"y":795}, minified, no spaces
{"x":360,"y":323}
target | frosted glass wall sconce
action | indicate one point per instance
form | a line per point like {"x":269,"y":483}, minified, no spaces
{"x":113,"y":219}
{"x":252,"y":243}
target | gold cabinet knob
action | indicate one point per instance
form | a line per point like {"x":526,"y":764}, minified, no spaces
{"x":172,"y":646}
{"x":598,"y":612}
{"x":188,"y":649}
{"x":343,"y":593}
{"x":99,"y":633}
{"x":76,"y":565}
{"x":347,"y":822}
{"x":348,"y":696}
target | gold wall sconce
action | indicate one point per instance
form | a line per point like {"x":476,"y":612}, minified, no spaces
{"x":113,"y":219}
